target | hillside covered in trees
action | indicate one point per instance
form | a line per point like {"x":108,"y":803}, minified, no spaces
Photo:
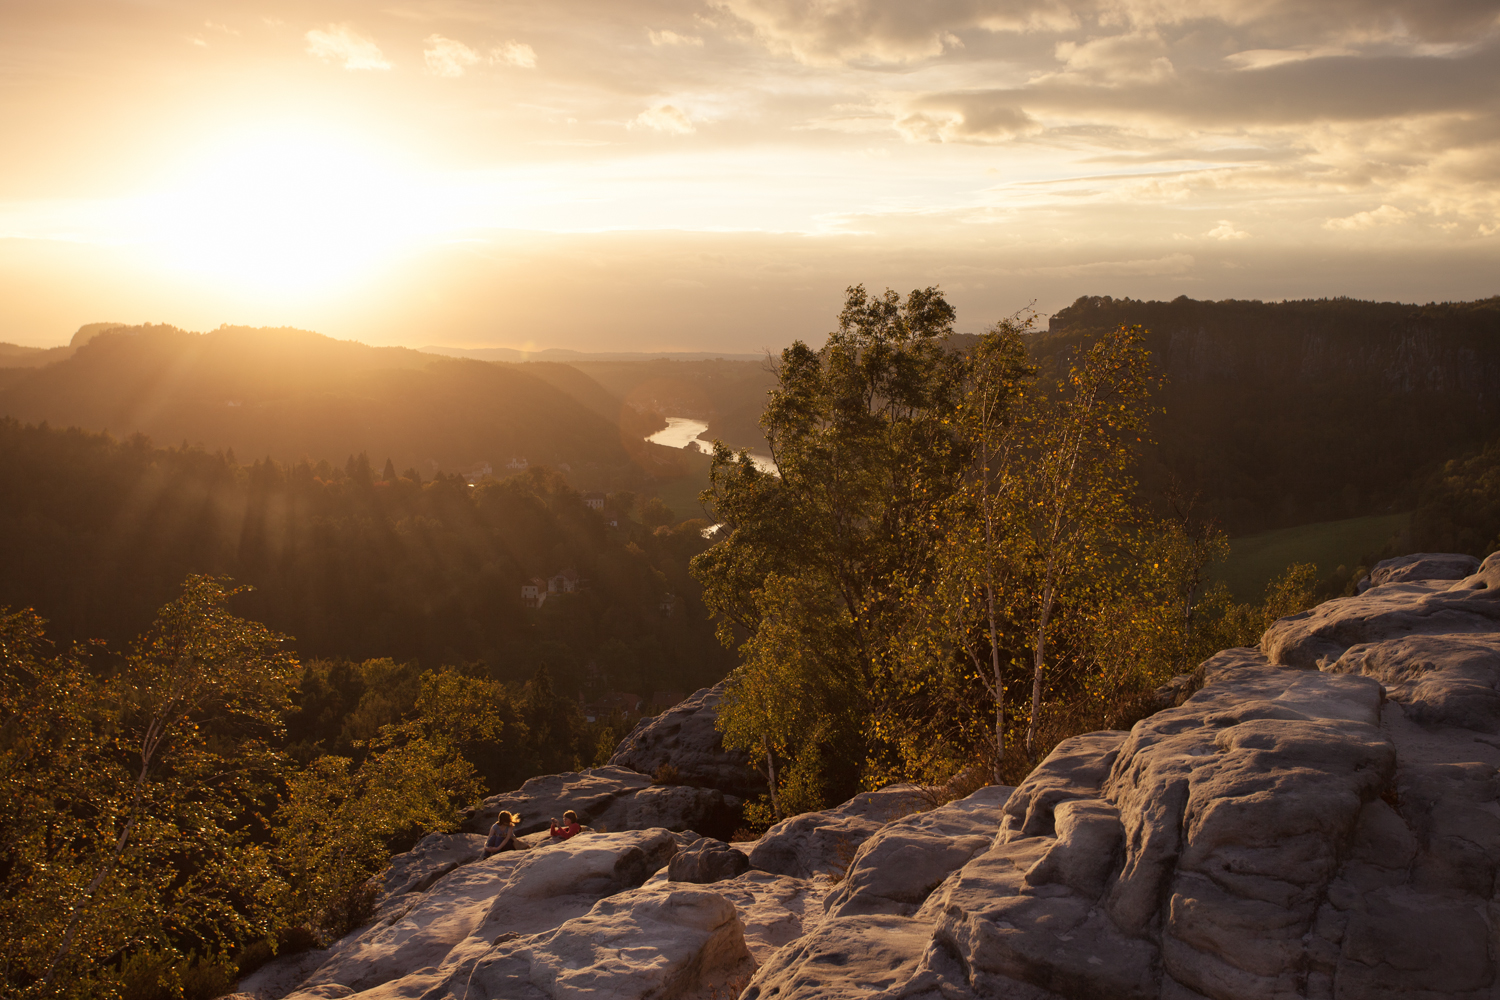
{"x":1278,"y":414}
{"x":353,"y":560}
{"x":290,"y":394}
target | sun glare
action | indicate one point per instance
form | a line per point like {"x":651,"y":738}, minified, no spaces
{"x":290,"y":213}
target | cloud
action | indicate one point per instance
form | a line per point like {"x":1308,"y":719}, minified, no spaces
{"x":1385,"y":215}
{"x":1115,"y":59}
{"x":837,"y":32}
{"x":514,"y":53}
{"x":665,"y":118}
{"x":339,"y":44}
{"x":1226,"y":231}
{"x":446,"y":57}
{"x":665,"y":37}
{"x":964,"y":116}
{"x":1172,"y":264}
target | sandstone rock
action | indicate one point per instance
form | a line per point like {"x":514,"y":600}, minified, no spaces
{"x":508,"y":895}
{"x":684,"y":737}
{"x":707,"y":861}
{"x":1420,"y":566}
{"x":774,"y":909}
{"x":664,"y":940}
{"x":673,"y":807}
{"x":589,"y":793}
{"x":847,"y":957}
{"x":1282,"y":833}
{"x":1318,"y":638}
{"x":434,"y":856}
{"x":904,"y":861}
{"x":824,"y":842}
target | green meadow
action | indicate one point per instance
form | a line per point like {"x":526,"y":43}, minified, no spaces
{"x":1256,"y":559}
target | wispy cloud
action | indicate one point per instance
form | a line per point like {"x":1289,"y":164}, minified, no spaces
{"x":1225,"y":231}
{"x":338,"y":43}
{"x":666,"y":118}
{"x":446,"y":57}
{"x":514,"y":53}
{"x":1385,"y":215}
{"x":665,"y":37}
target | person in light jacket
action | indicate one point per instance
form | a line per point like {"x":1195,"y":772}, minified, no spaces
{"x":503,"y":834}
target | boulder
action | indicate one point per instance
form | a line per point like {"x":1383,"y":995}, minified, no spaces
{"x":897,"y":868}
{"x":435,"y":855}
{"x":672,"y":807}
{"x":462,"y":914}
{"x":825,"y":842}
{"x":1318,"y":638}
{"x":1420,"y":566}
{"x":589,"y":793}
{"x":707,"y":861}
{"x":665,"y":940}
{"x":685,"y":737}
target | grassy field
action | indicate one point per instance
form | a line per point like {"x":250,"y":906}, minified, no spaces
{"x":1256,"y":559}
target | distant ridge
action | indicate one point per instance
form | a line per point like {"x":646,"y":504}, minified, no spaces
{"x":560,"y":354}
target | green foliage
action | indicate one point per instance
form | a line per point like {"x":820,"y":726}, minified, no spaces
{"x":1459,"y":506}
{"x":337,"y":825}
{"x":948,"y":530}
{"x":818,"y":557}
{"x":128,"y":794}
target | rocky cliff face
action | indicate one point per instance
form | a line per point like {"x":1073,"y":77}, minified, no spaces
{"x":1318,"y":817}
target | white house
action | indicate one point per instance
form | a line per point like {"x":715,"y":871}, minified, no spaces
{"x":534,"y":592}
{"x":595,"y":500}
{"x":565,"y":582}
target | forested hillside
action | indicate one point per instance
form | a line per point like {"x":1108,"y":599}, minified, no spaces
{"x":352,"y":560}
{"x":1286,"y":413}
{"x":290,"y":394}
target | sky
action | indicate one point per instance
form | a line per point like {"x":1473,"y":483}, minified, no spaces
{"x":678,"y":175}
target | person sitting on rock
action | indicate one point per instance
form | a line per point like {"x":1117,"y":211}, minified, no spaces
{"x":568,"y":828}
{"x":503,"y":834}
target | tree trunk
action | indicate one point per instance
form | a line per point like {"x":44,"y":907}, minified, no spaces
{"x":1040,"y":664}
{"x":999,"y":687}
{"x":771,"y":778}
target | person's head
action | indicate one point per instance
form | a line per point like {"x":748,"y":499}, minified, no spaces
{"x":507,"y":818}
{"x":570,"y":817}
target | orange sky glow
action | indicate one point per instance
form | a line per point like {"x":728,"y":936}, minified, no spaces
{"x":654,"y":175}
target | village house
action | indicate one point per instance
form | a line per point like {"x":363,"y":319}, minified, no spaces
{"x":595,"y":500}
{"x":565,"y":582}
{"x":534,"y":592}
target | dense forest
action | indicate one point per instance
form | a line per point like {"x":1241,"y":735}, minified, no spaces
{"x":1278,"y":414}
{"x":355,"y":561}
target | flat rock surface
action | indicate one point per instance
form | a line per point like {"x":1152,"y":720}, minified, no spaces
{"x":1420,"y":566}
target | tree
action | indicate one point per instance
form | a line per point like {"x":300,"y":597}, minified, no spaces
{"x":862,"y":438}
{"x":979,"y":562}
{"x":134,"y":834}
{"x":1077,"y":498}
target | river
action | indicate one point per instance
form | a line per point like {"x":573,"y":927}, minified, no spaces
{"x":683,"y":431}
